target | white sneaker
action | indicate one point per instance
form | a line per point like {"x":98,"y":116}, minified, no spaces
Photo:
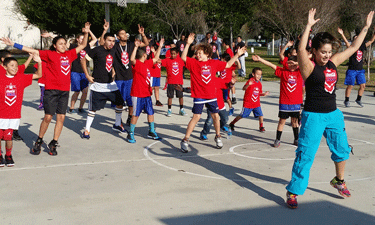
{"x":184,"y":146}
{"x":219,"y":143}
{"x":169,"y":113}
{"x":182,"y":112}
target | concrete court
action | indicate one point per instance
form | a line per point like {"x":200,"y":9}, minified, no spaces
{"x":106,"y":180}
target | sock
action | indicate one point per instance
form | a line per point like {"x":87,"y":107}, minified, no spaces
{"x":118,"y":116}
{"x":39,"y":139}
{"x":233,"y":95}
{"x":89,"y":120}
{"x":151,"y":126}
{"x":359,"y":98}
{"x":8,"y":152}
{"x":341,"y":181}
{"x":132,"y":128}
{"x":260,"y":124}
{"x":295,"y":132}
{"x":346,"y":99}
{"x":53,"y":142}
{"x":181,"y":107}
{"x":169,"y":106}
{"x":278,"y":135}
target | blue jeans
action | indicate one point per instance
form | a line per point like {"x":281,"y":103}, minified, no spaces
{"x":242,"y":71}
{"x":223,"y":121}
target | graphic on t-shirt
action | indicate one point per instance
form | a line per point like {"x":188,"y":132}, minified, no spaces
{"x":223,"y":74}
{"x":158,"y":65}
{"x":213,"y":48}
{"x":125,"y":59}
{"x":175,"y":68}
{"x":331,"y":79}
{"x":255,"y":94}
{"x":65,"y":65}
{"x":148,"y":50}
{"x":148,"y":78}
{"x":359,"y":55}
{"x":182,"y":47}
{"x":10,"y":94}
{"x":82,"y":54}
{"x":292,"y":83}
{"x":206,"y":74}
{"x":108,"y":63}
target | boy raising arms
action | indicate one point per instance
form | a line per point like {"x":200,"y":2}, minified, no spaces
{"x":203,"y":86}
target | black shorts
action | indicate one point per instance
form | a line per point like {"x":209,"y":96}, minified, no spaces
{"x":55,"y":101}
{"x":99,"y":99}
{"x":171,"y":90}
{"x":285,"y":115}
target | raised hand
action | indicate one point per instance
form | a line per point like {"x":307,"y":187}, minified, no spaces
{"x":7,"y":41}
{"x":369,"y":18}
{"x":242,"y":50}
{"x":190,"y":38}
{"x":36,"y":57}
{"x":141,"y":30}
{"x":312,"y":20}
{"x":255,"y":58}
{"x":290,"y":43}
{"x":161,"y":43}
{"x":106,"y":25}
{"x":137,"y":43}
{"x":340,"y":31}
{"x":86,"y":29}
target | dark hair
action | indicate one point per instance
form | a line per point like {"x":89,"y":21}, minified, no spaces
{"x":226,"y":41}
{"x":323,"y":38}
{"x":208,"y":33}
{"x":289,"y":50}
{"x":109,"y":35}
{"x":77,"y":36}
{"x":4,"y":53}
{"x":254,"y":71}
{"x":206,"y":48}
{"x":175,"y":49}
{"x":292,"y":58}
{"x":226,"y":57}
{"x":140,"y":53}
{"x":8,"y":60}
{"x":120,"y":31}
{"x":54,"y":42}
{"x":239,"y":36}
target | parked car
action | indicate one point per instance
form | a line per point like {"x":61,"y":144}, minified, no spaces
{"x":254,"y":44}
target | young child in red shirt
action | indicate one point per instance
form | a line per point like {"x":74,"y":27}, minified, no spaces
{"x":291,"y":83}
{"x":13,"y":81}
{"x":203,"y":86}
{"x":156,"y":74}
{"x":141,"y":89}
{"x":251,"y":103}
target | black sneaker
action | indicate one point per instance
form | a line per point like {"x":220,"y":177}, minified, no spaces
{"x":52,"y":148}
{"x":2,"y":161}
{"x":234,"y":100}
{"x":16,"y":136}
{"x":37,"y":147}
{"x":158,"y":103}
{"x":81,"y":110}
{"x":231,"y":125}
{"x":9,"y":161}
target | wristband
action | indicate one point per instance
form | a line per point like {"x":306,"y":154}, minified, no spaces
{"x":18,"y":46}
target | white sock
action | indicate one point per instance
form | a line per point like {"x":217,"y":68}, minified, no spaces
{"x":89,"y":120}
{"x":118,"y":116}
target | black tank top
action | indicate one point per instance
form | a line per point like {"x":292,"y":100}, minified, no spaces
{"x":321,"y":89}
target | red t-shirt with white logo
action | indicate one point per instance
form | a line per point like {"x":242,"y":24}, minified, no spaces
{"x":252,"y":94}
{"x":226,"y":74}
{"x":202,"y":77}
{"x":58,"y":66}
{"x":175,"y":69}
{"x":290,"y":86}
{"x":141,"y":86}
{"x":11,"y":93}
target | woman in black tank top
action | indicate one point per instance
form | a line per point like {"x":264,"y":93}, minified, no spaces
{"x":321,"y":116}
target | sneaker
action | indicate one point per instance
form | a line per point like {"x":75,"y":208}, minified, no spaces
{"x":128,"y":121}
{"x":85,"y":135}
{"x":295,"y":142}
{"x":182,"y":112}
{"x":37,"y":147}
{"x":9,"y":161}
{"x":2,"y":161}
{"x":153,"y":135}
{"x":203,"y":137}
{"x":341,"y":187}
{"x":184,"y":145}
{"x":16,"y":136}
{"x":131,"y":138}
{"x":169,"y":113}
{"x":119,"y":128}
{"x":231,"y":125}
{"x":71,"y":111}
{"x":225,"y":129}
{"x":158,"y":103}
{"x":52,"y":148}
{"x":347,"y":103}
{"x":291,"y":200}
{"x":359,"y":103}
{"x":234,"y":101}
{"x":81,"y":111}
{"x":262,"y":129}
{"x":40,"y":107}
{"x":231,"y":111}
{"x":219,"y":143}
{"x":276,"y":144}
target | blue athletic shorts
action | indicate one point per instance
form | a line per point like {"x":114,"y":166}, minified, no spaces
{"x":225,"y":94}
{"x":155,"y":82}
{"x":353,"y":76}
{"x":211,"y":105}
{"x":125,"y":86}
{"x":78,"y":81}
{"x":256,"y":111}
{"x":140,"y":104}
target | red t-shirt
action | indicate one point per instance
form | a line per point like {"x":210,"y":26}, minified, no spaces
{"x":252,"y":94}
{"x":41,"y":80}
{"x":11,"y":93}
{"x":220,"y":84}
{"x":285,"y":63}
{"x":141,"y":86}
{"x":202,"y":74}
{"x":226,"y":74}
{"x":156,"y":70}
{"x":230,"y":52}
{"x":58,"y":66}
{"x":290,"y":86}
{"x":175,"y":69}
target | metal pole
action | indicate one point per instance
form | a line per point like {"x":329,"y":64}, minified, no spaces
{"x":369,"y":63}
{"x":231,"y":36}
{"x":107,"y":16}
{"x":273,"y":44}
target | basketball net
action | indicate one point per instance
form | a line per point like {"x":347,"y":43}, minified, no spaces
{"x":121,"y":3}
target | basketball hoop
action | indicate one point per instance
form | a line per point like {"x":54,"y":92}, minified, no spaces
{"x":121,"y":3}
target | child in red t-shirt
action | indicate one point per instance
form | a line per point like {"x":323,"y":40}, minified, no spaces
{"x":13,"y":81}
{"x":141,"y":89}
{"x":203,"y":86}
{"x":291,"y":83}
{"x":251,"y":103}
{"x":156,"y":74}
{"x":175,"y":70}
